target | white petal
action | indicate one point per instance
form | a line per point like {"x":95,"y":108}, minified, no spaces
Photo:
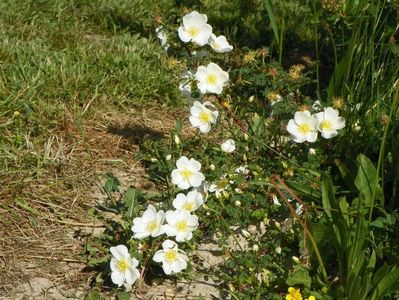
{"x":131,"y":275}
{"x":205,"y":128}
{"x":194,"y":19}
{"x":203,"y":36}
{"x":311,"y":137}
{"x":183,"y":35}
{"x":196,"y":179}
{"x":329,"y":134}
{"x":158,"y":256}
{"x":118,"y":278}
{"x":301,"y":117}
{"x":168,"y":244}
{"x":169,"y":230}
{"x":330,"y":113}
{"x":119,"y":251}
{"x":167,"y":268}
{"x":141,"y":235}
{"x":195,"y":165}
{"x":182,"y":162}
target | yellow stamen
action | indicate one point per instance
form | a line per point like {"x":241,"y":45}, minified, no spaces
{"x":304,"y":128}
{"x":170,"y":256}
{"x":188,"y":206}
{"x":211,"y":79}
{"x":204,"y":117}
{"x":181,"y":225}
{"x":193,"y":31}
{"x":152,"y":226}
{"x":122,"y":265}
{"x":186,"y":174}
{"x":325,"y":125}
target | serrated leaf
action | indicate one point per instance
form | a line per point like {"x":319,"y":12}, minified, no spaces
{"x":112,"y":184}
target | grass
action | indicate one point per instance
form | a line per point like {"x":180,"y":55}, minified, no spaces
{"x":68,"y":70}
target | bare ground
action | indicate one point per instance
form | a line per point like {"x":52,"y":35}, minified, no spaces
{"x":43,"y":215}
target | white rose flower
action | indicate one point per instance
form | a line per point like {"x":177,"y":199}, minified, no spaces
{"x":303,"y":127}
{"x":123,"y":267}
{"x":150,"y":224}
{"x":190,"y":202}
{"x":202,"y":117}
{"x":211,"y":79}
{"x":195,"y":29}
{"x":173,"y":259}
{"x":219,"y":44}
{"x":329,"y":122}
{"x":187,"y":173}
{"x":180,"y":224}
{"x":163,"y":38}
{"x":228,"y":146}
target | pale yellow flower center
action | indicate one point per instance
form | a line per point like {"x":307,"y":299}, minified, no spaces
{"x":170,"y":256}
{"x":204,"y":116}
{"x":215,"y":45}
{"x":188,"y":206}
{"x":181,"y":225}
{"x":193,"y":31}
{"x":122,"y":265}
{"x":152,"y":226}
{"x":325,"y":125}
{"x":304,"y":128}
{"x":211,"y":79}
{"x":222,"y":184}
{"x":186,"y":174}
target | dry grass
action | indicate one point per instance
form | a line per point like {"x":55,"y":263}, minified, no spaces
{"x":44,"y":216}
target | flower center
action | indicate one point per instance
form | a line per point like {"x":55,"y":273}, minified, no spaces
{"x":211,"y":79}
{"x":204,"y":117}
{"x":181,"y":225}
{"x":215,"y":45}
{"x":222,"y":184}
{"x":193,"y":31}
{"x":186,"y":174}
{"x":152,"y":226}
{"x":122,"y":265}
{"x":325,"y":125}
{"x":170,"y":256}
{"x":304,"y":128}
{"x":188,"y":206}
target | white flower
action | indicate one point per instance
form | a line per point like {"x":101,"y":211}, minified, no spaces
{"x":203,"y":189}
{"x":202,"y":117}
{"x":219,"y":44}
{"x":195,"y":29}
{"x":187,"y":173}
{"x":303,"y":127}
{"x":329,"y":122}
{"x":180,"y":224}
{"x":161,"y":35}
{"x":275,"y":200}
{"x":190,"y":202}
{"x":173,"y":259}
{"x":211,"y":79}
{"x":220,"y":187}
{"x":316,"y":106}
{"x":228,"y":146}
{"x":123,"y":267}
{"x":185,"y":86}
{"x":150,"y":224}
{"x":242,"y":170}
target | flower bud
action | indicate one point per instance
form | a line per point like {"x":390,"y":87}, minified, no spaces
{"x":251,"y":99}
{"x":296,"y":259}
{"x":245,"y":233}
{"x":168,"y":157}
{"x":278,"y":250}
{"x":312,"y":151}
{"x":238,"y":191}
{"x":177,"y":139}
{"x":237,"y":203}
{"x":255,"y":248}
{"x":212,"y":167}
{"x":153,"y":159}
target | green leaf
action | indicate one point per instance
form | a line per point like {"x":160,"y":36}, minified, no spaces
{"x":112,"y":184}
{"x":94,"y":262}
{"x":388,"y":284}
{"x":299,"y":276}
{"x":273,"y":21}
{"x":346,"y":174}
{"x":130,"y":199}
{"x":366,"y":181}
{"x":94,"y":294}
{"x":123,"y":295}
